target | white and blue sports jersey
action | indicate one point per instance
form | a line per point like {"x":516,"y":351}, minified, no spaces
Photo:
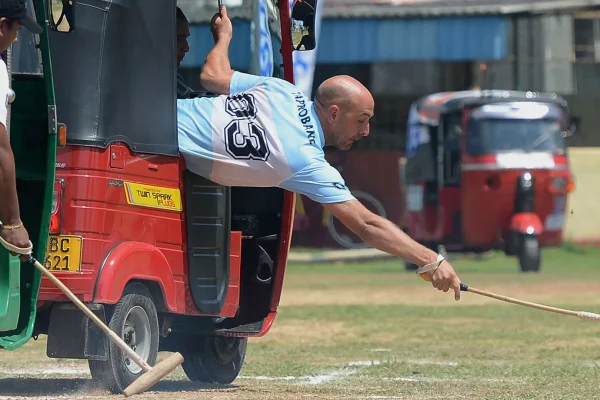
{"x":264,"y":134}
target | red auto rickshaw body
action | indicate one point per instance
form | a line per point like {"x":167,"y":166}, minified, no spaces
{"x":490,"y":192}
{"x":170,"y":260}
{"x":125,"y":241}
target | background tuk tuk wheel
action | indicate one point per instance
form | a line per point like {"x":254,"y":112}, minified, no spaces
{"x":219,"y":360}
{"x":134,"y":319}
{"x":529,"y":254}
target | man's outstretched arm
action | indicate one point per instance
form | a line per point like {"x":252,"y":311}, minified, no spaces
{"x":323,"y":184}
{"x":216,"y":73}
{"x":380,"y":232}
{"x":384,"y":235}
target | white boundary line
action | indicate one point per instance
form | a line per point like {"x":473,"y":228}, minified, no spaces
{"x":54,"y":370}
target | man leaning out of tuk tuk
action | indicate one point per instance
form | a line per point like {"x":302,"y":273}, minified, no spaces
{"x":263,"y":132}
{"x":13,"y":15}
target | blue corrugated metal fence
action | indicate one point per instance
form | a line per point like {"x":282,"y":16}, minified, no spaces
{"x":374,"y":40}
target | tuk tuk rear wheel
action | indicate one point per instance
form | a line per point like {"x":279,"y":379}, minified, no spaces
{"x":219,"y":360}
{"x":135,"y":320}
{"x":529,"y":254}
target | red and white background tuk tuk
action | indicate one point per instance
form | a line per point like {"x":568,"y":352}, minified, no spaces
{"x":488,"y":170}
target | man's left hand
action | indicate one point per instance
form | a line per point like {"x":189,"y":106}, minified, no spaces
{"x":444,"y":278}
{"x":220,"y":25}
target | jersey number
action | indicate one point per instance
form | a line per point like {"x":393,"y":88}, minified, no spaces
{"x":244,"y":138}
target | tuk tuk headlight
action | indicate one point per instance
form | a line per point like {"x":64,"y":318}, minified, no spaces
{"x":526,"y":181}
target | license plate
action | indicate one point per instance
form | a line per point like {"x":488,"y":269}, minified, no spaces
{"x":64,"y":254}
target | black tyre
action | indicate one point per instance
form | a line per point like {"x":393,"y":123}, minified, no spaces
{"x":135,"y":320}
{"x":219,"y":360}
{"x":529,"y":254}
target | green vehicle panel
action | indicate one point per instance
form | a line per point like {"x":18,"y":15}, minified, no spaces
{"x":33,"y":138}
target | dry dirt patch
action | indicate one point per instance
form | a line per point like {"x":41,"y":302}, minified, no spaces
{"x":547,"y":293}
{"x":305,"y":331}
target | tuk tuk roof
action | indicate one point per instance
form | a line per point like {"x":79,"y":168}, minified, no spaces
{"x":429,"y":108}
{"x":115,"y":75}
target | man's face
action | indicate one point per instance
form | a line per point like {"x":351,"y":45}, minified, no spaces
{"x":351,"y":121}
{"x":8,"y":33}
{"x":183,"y":32}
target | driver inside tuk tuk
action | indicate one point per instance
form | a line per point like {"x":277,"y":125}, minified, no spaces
{"x":183,"y":33}
{"x":184,"y":91}
{"x":264,"y":132}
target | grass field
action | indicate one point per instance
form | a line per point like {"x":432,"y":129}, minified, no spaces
{"x":297,"y":37}
{"x":373,"y":331}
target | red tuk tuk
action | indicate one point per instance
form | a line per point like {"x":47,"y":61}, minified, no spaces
{"x":488,"y":170}
{"x":169,"y":260}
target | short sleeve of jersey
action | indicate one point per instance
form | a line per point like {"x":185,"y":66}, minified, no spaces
{"x":320,"y":182}
{"x":240,"y":82}
{"x":4,"y":88}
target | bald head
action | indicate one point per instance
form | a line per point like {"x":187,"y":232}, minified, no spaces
{"x":344,"y":107}
{"x":341,"y":90}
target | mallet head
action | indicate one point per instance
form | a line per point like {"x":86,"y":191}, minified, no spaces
{"x":151,"y":377}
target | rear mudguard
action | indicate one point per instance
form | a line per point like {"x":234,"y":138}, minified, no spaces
{"x":134,"y":261}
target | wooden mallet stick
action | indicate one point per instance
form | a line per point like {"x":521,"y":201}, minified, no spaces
{"x":579,"y":314}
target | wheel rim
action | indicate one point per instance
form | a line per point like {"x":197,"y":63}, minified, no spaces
{"x":224,"y":349}
{"x":136,"y":333}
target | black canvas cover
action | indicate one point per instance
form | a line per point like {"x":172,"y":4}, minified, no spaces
{"x":115,"y":75}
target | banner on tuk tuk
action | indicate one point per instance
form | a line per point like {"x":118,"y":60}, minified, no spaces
{"x":417,"y":133}
{"x":153,"y":196}
{"x":262,"y":44}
